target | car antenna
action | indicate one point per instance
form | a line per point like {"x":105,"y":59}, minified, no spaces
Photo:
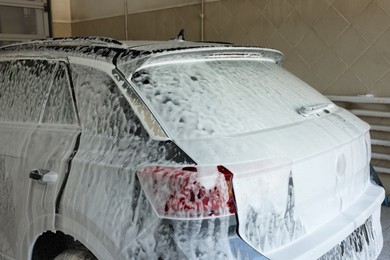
{"x":180,"y":36}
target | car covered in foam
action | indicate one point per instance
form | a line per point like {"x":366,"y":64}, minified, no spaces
{"x":177,"y":150}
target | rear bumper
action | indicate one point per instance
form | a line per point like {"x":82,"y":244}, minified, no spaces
{"x":217,"y":238}
{"x":330,"y":235}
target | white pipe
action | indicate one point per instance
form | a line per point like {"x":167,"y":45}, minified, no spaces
{"x":361,"y":112}
{"x":371,"y":113}
{"x":380,"y":142}
{"x":202,"y":22}
{"x":126,"y":25}
{"x":380,"y":156}
{"x":360,"y":99}
{"x":380,"y":128}
{"x":382,"y":170}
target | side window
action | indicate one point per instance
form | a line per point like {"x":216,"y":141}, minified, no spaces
{"x":59,"y":108}
{"x":102,"y":108}
{"x":24,"y":85}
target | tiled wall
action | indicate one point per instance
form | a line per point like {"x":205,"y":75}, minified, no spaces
{"x":61,"y":29}
{"x":341,"y":47}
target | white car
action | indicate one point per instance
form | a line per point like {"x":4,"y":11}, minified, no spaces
{"x":177,"y":150}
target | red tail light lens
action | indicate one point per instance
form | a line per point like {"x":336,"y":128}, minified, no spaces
{"x":189,"y":192}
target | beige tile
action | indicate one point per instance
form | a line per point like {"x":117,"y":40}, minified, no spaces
{"x":192,"y":31}
{"x":211,"y":8}
{"x":382,"y":45}
{"x":217,"y":16}
{"x":191,"y":21}
{"x":279,"y":43}
{"x":372,"y":22}
{"x":310,"y":10}
{"x":295,"y":64}
{"x":168,"y":24}
{"x":384,"y":4}
{"x":113,"y":27}
{"x":277,"y":11}
{"x":231,"y":5}
{"x":262,"y":31}
{"x":370,"y":67}
{"x":260,"y":4}
{"x":382,"y":87}
{"x":140,"y":29}
{"x":62,"y":29}
{"x":329,"y":67}
{"x":347,"y":85}
{"x":314,"y":81}
{"x":385,"y":178}
{"x":311,"y":48}
{"x":246,"y":15}
{"x":350,"y":45}
{"x":331,"y":25}
{"x":350,"y":9}
{"x":234,"y":33}
{"x":294,"y":29}
{"x":211,"y":34}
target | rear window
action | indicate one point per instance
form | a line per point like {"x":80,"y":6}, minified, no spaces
{"x":216,"y":98}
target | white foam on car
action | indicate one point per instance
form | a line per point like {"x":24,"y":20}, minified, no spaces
{"x":237,"y":111}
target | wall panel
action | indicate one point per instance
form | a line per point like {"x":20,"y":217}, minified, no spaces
{"x":338,"y":46}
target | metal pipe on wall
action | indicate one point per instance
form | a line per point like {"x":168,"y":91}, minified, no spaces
{"x":372,"y":112}
{"x":126,"y":25}
{"x":202,"y":22}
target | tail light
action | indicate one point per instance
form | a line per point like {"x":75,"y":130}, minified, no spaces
{"x":188,"y":192}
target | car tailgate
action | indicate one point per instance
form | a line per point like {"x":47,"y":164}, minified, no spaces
{"x":298,"y":180}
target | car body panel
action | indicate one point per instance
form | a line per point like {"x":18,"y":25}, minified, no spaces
{"x":313,"y":171}
{"x":14,"y":186}
{"x":34,"y":145}
{"x":112,"y":144}
{"x":328,"y":174}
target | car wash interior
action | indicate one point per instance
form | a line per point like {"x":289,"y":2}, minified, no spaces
{"x":339,"y":47}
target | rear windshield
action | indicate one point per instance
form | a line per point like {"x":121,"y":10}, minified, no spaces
{"x":216,"y":98}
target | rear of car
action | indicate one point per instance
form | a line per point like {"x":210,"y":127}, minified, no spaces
{"x":189,"y":151}
{"x":275,"y":160}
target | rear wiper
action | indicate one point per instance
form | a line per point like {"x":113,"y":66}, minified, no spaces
{"x":315,"y":109}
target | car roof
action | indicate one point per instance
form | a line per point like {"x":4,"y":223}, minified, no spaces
{"x":109,"y":42}
{"x":69,"y":42}
{"x":111,"y":50}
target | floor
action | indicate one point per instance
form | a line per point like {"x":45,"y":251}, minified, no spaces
{"x":385,"y":220}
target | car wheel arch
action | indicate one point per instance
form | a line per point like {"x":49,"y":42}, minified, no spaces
{"x":50,"y":244}
{"x":64,"y":229}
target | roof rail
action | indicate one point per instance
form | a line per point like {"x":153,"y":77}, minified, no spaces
{"x":69,"y":40}
{"x":92,"y":39}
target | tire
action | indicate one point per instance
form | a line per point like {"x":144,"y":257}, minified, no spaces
{"x":75,"y":254}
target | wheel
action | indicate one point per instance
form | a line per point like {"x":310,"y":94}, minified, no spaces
{"x":75,"y":254}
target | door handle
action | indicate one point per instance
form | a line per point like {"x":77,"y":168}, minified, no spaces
{"x":44,"y":176}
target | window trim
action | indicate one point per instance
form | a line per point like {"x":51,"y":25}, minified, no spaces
{"x":57,"y":62}
{"x":60,"y":64}
{"x":23,"y":3}
{"x":156,"y":132}
{"x":43,"y":29}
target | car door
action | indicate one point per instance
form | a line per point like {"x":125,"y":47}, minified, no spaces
{"x":38,"y":134}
